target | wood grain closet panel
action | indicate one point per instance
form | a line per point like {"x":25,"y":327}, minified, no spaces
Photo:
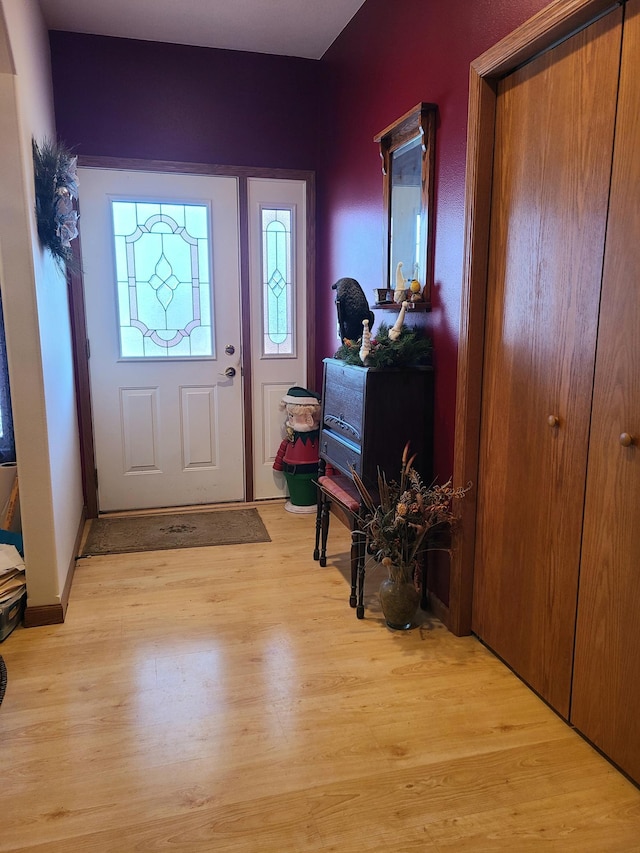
{"x":554,"y":132}
{"x":606,"y":692}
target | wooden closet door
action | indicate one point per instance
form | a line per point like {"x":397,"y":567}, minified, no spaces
{"x":554,"y":132}
{"x":606,"y":693}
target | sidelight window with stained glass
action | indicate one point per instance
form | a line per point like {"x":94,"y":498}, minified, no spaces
{"x":277,"y":282}
{"x":162,"y":252}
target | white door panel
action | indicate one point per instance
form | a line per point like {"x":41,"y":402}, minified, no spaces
{"x":139,"y":428}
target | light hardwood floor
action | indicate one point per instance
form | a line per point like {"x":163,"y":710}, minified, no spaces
{"x":227,"y":699}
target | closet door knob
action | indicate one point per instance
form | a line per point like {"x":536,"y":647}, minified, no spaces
{"x":553,"y":421}
{"x":627,"y":440}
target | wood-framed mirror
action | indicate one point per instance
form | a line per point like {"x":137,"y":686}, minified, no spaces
{"x":407,"y":149}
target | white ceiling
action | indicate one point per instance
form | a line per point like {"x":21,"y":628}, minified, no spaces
{"x":303,"y":28}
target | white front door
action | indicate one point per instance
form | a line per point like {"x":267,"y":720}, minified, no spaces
{"x":161,"y":266}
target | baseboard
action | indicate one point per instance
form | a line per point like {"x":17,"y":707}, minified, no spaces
{"x":46,"y":614}
{"x":439,"y":609}
{"x":53,"y":614}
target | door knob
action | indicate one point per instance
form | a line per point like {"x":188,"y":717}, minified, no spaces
{"x":553,"y":421}
{"x":229,"y":349}
{"x":230,"y":372}
{"x":627,"y":440}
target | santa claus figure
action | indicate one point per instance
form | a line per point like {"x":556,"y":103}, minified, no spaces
{"x":297,"y":456}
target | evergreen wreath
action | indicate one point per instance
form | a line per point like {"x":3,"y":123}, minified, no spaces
{"x":56,"y":186}
{"x":411,"y":349}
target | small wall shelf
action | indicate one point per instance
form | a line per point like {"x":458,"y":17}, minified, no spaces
{"x":394,"y":307}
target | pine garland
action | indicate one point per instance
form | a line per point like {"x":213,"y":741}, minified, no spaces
{"x":411,"y":349}
{"x":56,"y":186}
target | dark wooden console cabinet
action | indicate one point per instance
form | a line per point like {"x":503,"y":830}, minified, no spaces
{"x":369,"y":414}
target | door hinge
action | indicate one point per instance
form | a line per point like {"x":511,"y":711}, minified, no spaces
{"x":95,"y":471}
{"x":88,"y":349}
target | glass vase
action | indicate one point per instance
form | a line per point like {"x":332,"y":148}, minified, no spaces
{"x":399,"y":601}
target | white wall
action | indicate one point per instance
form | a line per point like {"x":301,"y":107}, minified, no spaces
{"x":37,"y":322}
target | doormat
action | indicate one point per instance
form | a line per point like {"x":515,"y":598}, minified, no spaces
{"x":179,"y":530}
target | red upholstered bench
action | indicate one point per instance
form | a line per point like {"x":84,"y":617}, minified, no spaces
{"x":337,"y":494}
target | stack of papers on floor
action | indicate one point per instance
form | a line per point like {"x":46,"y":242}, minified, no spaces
{"x":13,"y":589}
{"x":12,"y":577}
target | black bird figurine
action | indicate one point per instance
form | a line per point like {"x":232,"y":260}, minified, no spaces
{"x":352,"y":308}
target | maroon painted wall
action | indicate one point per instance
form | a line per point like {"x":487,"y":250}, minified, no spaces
{"x":125,"y":98}
{"x":389,"y":58}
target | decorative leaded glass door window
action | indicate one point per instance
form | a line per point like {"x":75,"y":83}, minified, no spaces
{"x":162,"y":256}
{"x":277,"y":282}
